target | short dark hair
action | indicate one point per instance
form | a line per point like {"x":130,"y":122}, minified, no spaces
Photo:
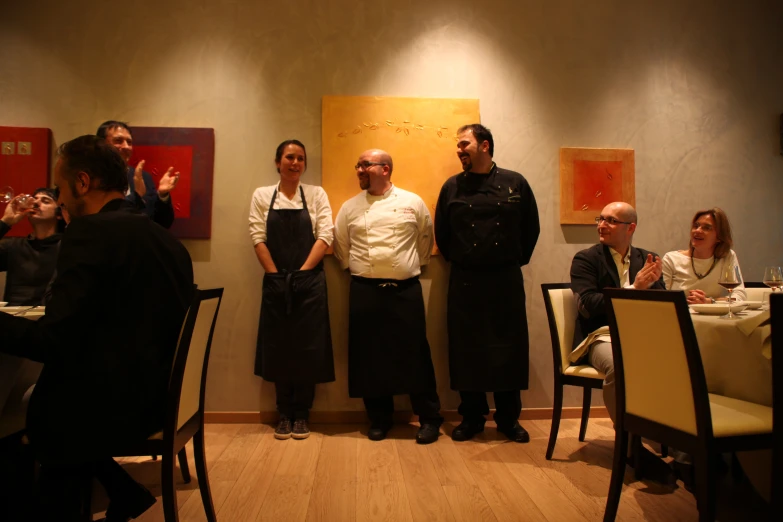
{"x":106,"y":126}
{"x":481,"y":134}
{"x":286,"y":143}
{"x":51,"y":192}
{"x":91,"y":154}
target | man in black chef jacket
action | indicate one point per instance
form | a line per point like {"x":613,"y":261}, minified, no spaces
{"x":486,"y":225}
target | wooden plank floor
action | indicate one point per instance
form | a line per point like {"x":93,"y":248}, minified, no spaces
{"x":339,"y":475}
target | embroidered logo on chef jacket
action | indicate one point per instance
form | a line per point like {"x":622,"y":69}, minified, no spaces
{"x":513,"y":195}
{"x":408,"y":214}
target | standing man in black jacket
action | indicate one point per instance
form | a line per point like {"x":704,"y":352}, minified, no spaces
{"x":155,"y":202}
{"x":486,"y":224}
{"x":108,"y":338}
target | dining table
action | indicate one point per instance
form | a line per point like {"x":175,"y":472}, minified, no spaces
{"x":17,"y":377}
{"x":737,"y":359}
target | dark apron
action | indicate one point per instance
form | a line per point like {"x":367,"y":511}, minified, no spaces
{"x":294,"y":337}
{"x":487,"y":323}
{"x":388,"y":352}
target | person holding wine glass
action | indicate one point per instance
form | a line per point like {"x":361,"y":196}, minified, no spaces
{"x":30,"y":262}
{"x":697,"y":270}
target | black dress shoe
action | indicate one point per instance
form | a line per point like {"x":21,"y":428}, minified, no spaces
{"x":428,"y":433}
{"x":685,"y":473}
{"x":654,"y":468}
{"x":466,"y":431}
{"x":378,"y":432}
{"x":131,"y":506}
{"x":515,"y":433}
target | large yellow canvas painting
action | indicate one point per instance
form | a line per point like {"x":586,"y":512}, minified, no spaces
{"x":418,"y":133}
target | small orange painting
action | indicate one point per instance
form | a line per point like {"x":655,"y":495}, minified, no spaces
{"x":592,"y":178}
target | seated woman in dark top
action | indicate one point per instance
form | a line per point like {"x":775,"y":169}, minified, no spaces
{"x":29,"y":262}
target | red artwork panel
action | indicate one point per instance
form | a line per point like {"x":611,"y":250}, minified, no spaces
{"x":25,"y":162}
{"x":591,"y":178}
{"x":157,"y":160}
{"x":597,"y":183}
{"x":191,"y":151}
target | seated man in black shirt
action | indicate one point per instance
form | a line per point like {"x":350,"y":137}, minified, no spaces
{"x":30,"y":261}
{"x":108,"y":338}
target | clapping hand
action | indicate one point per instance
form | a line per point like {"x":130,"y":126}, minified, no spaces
{"x":138,"y":180}
{"x":649,"y":274}
{"x":168,"y":182}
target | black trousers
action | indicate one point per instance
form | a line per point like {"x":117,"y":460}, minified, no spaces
{"x":17,"y":480}
{"x":61,"y":487}
{"x":474,"y":406}
{"x":426,"y":405}
{"x":294,"y":400}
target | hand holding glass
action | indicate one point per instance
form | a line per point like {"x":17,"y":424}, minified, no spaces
{"x":23,"y":202}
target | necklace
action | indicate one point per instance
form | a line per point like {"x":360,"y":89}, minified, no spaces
{"x":698,"y":275}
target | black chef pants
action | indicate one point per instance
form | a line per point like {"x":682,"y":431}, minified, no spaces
{"x":294,"y":400}
{"x":426,"y":405}
{"x":474,"y":406}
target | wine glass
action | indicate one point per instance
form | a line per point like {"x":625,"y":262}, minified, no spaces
{"x":773,"y":277}
{"x":23,"y":202}
{"x":730,"y":279}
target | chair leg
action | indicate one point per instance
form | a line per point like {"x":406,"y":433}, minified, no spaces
{"x":199,"y":456}
{"x":588,"y":395}
{"x":706,"y":489}
{"x":736,"y":468}
{"x":87,"y":499}
{"x":557,"y":410}
{"x":182,"y":456}
{"x":618,"y":473}
{"x":636,"y":451}
{"x":167,"y":485}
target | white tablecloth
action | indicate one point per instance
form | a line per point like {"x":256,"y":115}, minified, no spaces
{"x":17,"y":375}
{"x":736,"y":357}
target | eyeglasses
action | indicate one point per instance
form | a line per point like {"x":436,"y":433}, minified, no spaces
{"x":366,"y":164}
{"x":611,"y":221}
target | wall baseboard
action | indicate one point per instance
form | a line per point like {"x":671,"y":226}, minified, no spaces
{"x":360,"y":417}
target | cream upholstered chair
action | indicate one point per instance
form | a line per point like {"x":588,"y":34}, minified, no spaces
{"x":755,"y":290}
{"x":562,"y":313}
{"x":184,"y":417}
{"x":662,"y":392}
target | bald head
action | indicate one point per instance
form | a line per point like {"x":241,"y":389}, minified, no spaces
{"x":617,"y":226}
{"x":620,"y":210}
{"x":374,"y":170}
{"x":379,"y":156}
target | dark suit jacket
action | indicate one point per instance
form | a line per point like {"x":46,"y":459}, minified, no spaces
{"x":161,"y":212}
{"x":109,"y":335}
{"x":592,"y":270}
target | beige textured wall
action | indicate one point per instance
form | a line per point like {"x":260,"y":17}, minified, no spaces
{"x":695,"y":87}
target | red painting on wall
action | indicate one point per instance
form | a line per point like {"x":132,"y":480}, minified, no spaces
{"x":25,"y":165}
{"x":191,"y":151}
{"x":590,"y":179}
